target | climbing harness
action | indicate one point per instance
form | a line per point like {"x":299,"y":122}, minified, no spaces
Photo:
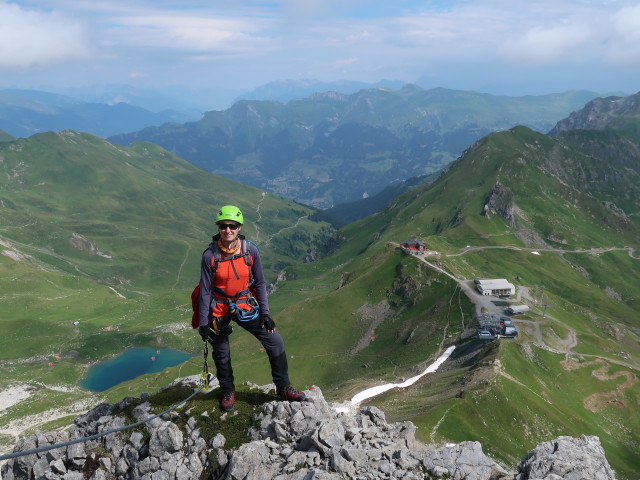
{"x":240,"y":314}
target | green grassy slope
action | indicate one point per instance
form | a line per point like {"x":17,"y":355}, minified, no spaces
{"x":111,"y":237}
{"x":134,"y":218}
{"x":586,"y":272}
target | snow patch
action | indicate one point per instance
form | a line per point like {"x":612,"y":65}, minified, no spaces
{"x":116,"y":292}
{"x":348,"y":407}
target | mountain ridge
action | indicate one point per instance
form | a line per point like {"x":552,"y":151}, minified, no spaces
{"x":26,"y":112}
{"x":333,"y":148}
{"x":505,"y":210}
{"x":287,"y":90}
{"x":287,"y":441}
{"x":51,"y":176}
{"x":600,"y":113}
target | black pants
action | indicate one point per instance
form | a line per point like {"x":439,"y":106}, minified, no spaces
{"x":272,"y":343}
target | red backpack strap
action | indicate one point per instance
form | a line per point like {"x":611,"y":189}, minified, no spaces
{"x":195,"y":294}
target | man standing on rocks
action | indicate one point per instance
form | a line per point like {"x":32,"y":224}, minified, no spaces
{"x":233,"y":288}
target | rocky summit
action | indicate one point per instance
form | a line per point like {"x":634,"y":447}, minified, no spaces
{"x":289,"y":441}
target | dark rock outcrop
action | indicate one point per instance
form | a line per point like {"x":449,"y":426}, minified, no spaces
{"x":290,"y":441}
{"x":500,"y":201}
{"x":598,"y":114}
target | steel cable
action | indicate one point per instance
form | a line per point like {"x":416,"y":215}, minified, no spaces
{"x":205,"y":382}
{"x":97,"y":435}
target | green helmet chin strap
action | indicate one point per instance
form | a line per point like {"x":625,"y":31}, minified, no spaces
{"x":230,"y":212}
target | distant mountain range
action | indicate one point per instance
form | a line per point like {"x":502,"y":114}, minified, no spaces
{"x":26,"y":112}
{"x":332,"y":148}
{"x":286,"y":90}
{"x":191,"y":102}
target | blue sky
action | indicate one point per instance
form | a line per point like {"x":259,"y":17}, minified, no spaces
{"x":497,"y":46}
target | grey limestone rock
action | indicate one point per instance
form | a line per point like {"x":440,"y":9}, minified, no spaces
{"x":290,"y":441}
{"x":99,"y":475}
{"x":73,"y":475}
{"x":90,"y":418}
{"x":252,"y":460}
{"x":464,"y":461}
{"x":40,"y":467}
{"x":166,"y":438}
{"x":568,"y":458}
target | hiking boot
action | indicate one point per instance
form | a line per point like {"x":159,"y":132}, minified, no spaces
{"x":227,"y":401}
{"x":289,"y":394}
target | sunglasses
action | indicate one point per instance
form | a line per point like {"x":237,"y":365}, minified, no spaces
{"x":224,"y":226}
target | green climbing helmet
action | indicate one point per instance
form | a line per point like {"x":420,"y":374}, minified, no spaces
{"x":230,"y":212}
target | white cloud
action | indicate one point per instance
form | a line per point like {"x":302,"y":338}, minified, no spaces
{"x":257,"y":41}
{"x":545,"y":45}
{"x":184,"y":32}
{"x":344,"y":62}
{"x":312,"y":9}
{"x":592,"y":35}
{"x":35,"y":39}
{"x":623,"y":47}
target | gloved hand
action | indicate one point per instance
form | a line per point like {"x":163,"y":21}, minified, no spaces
{"x":204,"y":331}
{"x":267,"y":322}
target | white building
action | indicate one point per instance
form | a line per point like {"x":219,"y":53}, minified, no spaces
{"x":498,"y":287}
{"x":516,"y":309}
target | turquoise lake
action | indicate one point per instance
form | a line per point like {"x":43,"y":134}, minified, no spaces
{"x":131,"y":364}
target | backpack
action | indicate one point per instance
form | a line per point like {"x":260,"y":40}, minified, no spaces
{"x":215,"y":259}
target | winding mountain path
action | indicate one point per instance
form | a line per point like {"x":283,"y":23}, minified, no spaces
{"x":259,"y":218}
{"x":630,"y":251}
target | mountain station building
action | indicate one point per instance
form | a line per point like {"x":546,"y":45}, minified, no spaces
{"x":498,"y":287}
{"x":516,"y":309}
{"x":414,"y":246}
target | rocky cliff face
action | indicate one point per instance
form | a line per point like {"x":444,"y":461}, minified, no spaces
{"x":500,"y":201}
{"x":289,"y":441}
{"x":598,"y":114}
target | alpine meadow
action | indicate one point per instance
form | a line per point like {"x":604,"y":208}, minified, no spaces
{"x":101,"y":243}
